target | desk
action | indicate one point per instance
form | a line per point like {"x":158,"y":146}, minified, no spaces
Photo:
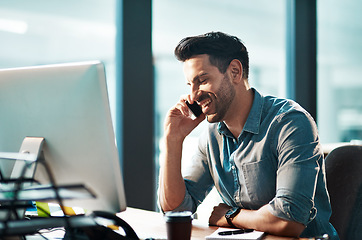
{"x":151,"y":224}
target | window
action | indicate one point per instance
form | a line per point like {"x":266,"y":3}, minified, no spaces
{"x":339,"y":70}
{"x":46,"y":32}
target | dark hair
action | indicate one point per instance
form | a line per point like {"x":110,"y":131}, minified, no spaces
{"x":221,"y":48}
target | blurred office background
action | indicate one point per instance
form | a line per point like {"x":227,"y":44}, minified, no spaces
{"x":43,"y":32}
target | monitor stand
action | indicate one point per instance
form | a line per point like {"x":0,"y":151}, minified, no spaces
{"x":23,"y":170}
{"x":29,"y":153}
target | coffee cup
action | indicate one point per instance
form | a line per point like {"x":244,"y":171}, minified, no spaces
{"x":178,"y":225}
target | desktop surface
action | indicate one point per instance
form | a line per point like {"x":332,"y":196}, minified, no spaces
{"x":149,"y":224}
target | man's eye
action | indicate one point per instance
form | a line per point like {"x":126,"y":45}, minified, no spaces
{"x":203,"y":80}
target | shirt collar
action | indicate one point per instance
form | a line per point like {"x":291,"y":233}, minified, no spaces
{"x":252,"y":124}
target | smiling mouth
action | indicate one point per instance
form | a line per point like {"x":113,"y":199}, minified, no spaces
{"x":205,"y":105}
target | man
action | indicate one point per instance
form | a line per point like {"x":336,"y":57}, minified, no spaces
{"x":261,"y":153}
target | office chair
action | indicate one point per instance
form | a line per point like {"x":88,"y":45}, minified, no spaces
{"x":344,"y":183}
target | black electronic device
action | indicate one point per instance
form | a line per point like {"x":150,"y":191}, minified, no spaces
{"x":195,"y":108}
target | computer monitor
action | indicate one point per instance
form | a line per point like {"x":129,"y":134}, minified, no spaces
{"x":68,"y":105}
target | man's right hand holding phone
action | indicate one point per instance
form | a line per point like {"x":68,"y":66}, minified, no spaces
{"x":182,"y":119}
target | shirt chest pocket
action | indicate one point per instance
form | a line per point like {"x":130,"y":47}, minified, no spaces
{"x":260,"y":181}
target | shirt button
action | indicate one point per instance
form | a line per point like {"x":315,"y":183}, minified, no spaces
{"x":233,"y":167}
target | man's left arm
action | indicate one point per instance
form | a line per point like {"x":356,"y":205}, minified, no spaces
{"x":292,"y":208}
{"x":261,"y":220}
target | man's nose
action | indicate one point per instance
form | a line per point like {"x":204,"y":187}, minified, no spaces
{"x":195,"y":92}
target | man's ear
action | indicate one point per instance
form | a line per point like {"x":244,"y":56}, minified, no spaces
{"x":236,"y":70}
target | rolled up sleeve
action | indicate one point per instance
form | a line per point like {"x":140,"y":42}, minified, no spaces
{"x":300,"y":158}
{"x":187,"y":204}
{"x":292,"y":207}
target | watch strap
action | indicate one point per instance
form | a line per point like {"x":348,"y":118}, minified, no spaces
{"x":229,"y":220}
{"x":230,"y":214}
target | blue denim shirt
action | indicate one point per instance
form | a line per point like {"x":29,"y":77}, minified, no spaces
{"x":276,"y":160}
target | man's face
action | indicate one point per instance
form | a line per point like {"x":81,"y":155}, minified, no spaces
{"x":212,"y":89}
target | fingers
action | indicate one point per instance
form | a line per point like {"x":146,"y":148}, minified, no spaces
{"x":217,"y":217}
{"x":181,"y":117}
{"x":181,"y":105}
{"x":224,"y":205}
{"x":189,"y":99}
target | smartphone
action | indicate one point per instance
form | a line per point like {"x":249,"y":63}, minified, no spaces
{"x":195,"y":108}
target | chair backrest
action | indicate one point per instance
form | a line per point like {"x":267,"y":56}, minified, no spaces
{"x":344,"y":183}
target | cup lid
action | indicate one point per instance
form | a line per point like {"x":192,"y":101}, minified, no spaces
{"x":178,"y":216}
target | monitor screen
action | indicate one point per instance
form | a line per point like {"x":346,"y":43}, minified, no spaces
{"x":67,"y":105}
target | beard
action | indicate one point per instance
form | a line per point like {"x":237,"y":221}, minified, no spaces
{"x":221,"y":100}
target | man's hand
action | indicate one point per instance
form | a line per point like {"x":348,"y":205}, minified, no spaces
{"x":217,"y":217}
{"x":178,"y":122}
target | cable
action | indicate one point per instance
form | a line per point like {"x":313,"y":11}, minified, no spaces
{"x":50,"y":230}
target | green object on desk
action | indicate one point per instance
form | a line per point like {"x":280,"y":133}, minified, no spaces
{"x":43,"y":209}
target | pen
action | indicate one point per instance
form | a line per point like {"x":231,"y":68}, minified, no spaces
{"x":233,"y":232}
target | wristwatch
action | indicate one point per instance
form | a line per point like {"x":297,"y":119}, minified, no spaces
{"x":230,"y":214}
